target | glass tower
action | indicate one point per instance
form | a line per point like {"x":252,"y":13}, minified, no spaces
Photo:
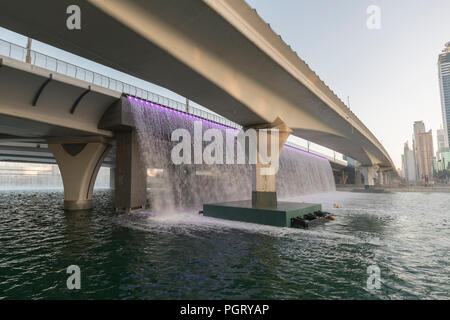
{"x":444,"y":83}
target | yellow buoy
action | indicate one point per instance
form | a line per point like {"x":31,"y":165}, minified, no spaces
{"x":332,"y":217}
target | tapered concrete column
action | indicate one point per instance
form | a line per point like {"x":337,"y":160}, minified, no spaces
{"x":380,"y":177}
{"x":387,"y":178}
{"x":263,"y":173}
{"x":130,"y":173}
{"x":368,"y":172}
{"x":357,"y":177}
{"x":112,"y":178}
{"x":79,"y":159}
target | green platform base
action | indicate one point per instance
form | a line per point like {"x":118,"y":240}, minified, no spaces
{"x":244,"y":211}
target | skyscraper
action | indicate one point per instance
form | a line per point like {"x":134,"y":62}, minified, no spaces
{"x":444,"y":83}
{"x":425,"y":155}
{"x":419,"y":127}
{"x":443,"y":151}
{"x":408,"y":164}
{"x":440,"y":139}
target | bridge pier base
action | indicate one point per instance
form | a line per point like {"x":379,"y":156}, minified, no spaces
{"x":79,"y":159}
{"x":264,"y":208}
{"x":112,"y":178}
{"x":358,"y":178}
{"x":264,"y":192}
{"x":130,"y":173}
{"x":387,"y":178}
{"x":380,"y":177}
{"x":368,"y":173}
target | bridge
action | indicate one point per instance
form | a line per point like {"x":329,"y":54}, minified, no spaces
{"x":220,"y":54}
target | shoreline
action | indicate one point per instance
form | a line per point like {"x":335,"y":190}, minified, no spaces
{"x":398,"y":188}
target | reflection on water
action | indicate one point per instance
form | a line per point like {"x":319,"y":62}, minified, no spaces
{"x":185,"y":255}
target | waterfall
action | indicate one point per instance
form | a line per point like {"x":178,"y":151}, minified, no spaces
{"x":184,"y":186}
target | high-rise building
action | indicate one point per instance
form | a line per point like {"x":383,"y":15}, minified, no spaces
{"x":408,"y":164}
{"x":440,"y":139}
{"x":436,"y":167}
{"x":419,"y":127}
{"x":444,"y":83}
{"x":402,"y":171}
{"x":444,"y":159}
{"x":425,"y":152}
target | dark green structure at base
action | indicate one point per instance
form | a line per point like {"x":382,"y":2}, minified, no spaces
{"x":279,"y":216}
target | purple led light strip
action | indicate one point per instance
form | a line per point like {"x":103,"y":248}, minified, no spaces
{"x":178,"y":112}
{"x":188,"y":115}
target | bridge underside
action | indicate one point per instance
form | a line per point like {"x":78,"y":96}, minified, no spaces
{"x":219,"y":54}
{"x":330,"y":140}
{"x":49,"y":118}
{"x":38,"y":103}
{"x":242,"y":71}
{"x":34,"y":111}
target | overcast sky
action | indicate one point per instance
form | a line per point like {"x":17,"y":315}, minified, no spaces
{"x":390,"y":74}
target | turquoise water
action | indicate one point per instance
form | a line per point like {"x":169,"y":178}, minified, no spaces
{"x":188,"y":256}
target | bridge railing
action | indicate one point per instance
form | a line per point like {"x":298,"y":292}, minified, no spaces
{"x":38,"y":59}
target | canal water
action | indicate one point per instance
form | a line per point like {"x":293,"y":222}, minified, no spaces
{"x":187,"y":256}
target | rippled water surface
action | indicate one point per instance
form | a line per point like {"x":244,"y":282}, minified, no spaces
{"x":188,"y":256}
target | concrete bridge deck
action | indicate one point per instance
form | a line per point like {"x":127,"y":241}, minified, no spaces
{"x":24,"y":128}
{"x":220,"y":54}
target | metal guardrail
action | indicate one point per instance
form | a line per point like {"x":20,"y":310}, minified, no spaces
{"x":50,"y":63}
{"x":38,"y":59}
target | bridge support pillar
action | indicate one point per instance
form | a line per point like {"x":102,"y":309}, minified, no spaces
{"x":380,"y":177}
{"x":368,"y":173}
{"x":79,"y":159}
{"x":357,"y":177}
{"x":130,"y":173}
{"x":264,"y":192}
{"x":387,"y":178}
{"x":264,"y":208}
{"x":112,"y":178}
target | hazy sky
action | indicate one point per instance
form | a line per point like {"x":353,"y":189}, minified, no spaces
{"x":390,"y":74}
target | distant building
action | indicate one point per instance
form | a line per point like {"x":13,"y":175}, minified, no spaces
{"x":419,"y":127}
{"x":15,"y":175}
{"x":443,"y":159}
{"x":440,"y":139}
{"x":408,"y":164}
{"x":435,"y":165}
{"x":444,"y":84}
{"x":402,"y":170}
{"x":425,"y":153}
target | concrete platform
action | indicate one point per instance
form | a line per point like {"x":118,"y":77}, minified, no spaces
{"x":244,"y":211}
